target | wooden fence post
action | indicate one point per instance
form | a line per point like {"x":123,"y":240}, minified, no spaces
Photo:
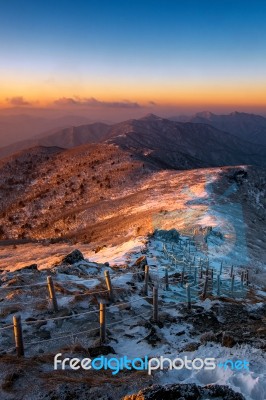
{"x":218,"y":284}
{"x":204,"y":294}
{"x":102,"y":323}
{"x":18,"y":335}
{"x":109,"y":284}
{"x":155,"y":304}
{"x":232,"y":283}
{"x":166,"y":279}
{"x":188,"y":296}
{"x":221,"y":268}
{"x":201,"y":272}
{"x":247,"y":280}
{"x":182,"y":276}
{"x":242,"y":279}
{"x":146,"y":280}
{"x":195,"y":275}
{"x":52,"y":293}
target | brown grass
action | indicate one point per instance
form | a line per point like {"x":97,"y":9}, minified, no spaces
{"x":13,"y":294}
{"x":62,"y":289}
{"x":10,"y":379}
{"x":94,"y":378}
{"x":5,"y":311}
{"x":253,"y":297}
{"x":41,"y":305}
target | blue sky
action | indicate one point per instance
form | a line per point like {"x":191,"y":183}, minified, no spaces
{"x":140,"y":50}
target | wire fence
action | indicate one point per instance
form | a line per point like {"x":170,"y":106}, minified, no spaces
{"x":184,"y":279}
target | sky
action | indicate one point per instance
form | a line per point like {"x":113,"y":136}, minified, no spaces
{"x":133,"y":56}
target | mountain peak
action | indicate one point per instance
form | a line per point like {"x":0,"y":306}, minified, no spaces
{"x":151,"y":116}
{"x":204,"y":114}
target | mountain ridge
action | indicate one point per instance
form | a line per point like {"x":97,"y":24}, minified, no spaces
{"x":174,"y":144}
{"x":247,"y":126}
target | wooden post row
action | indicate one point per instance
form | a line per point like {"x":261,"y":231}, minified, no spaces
{"x":18,"y":335}
{"x":109,"y":284}
{"x":102,"y":323}
{"x":232,"y":284}
{"x":218,"y":284}
{"x":52,"y":293}
{"x":166,"y":279}
{"x":204,"y":294}
{"x":188,"y":296}
{"x":146,"y":280}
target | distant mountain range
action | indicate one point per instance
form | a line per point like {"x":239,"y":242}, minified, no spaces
{"x":248,"y":127}
{"x":182,"y":145}
{"x":89,"y":188}
{"x":163,"y":142}
{"x":26,"y":126}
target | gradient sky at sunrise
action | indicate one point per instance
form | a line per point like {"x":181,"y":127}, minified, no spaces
{"x":129,"y":53}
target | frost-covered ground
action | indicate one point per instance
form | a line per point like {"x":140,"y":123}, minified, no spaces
{"x":238,"y":310}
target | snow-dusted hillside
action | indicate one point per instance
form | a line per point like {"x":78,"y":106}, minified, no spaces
{"x":217,"y":217}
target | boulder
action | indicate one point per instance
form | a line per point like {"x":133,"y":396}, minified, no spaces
{"x":228,"y":340}
{"x":170,"y":235}
{"x":188,"y":391}
{"x":208,"y":337}
{"x":73,"y":257}
{"x":32,"y":267}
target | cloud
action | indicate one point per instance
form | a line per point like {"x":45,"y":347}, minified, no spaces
{"x":18,"y":101}
{"x":115,"y":104}
{"x":92,"y":102}
{"x":66,"y":101}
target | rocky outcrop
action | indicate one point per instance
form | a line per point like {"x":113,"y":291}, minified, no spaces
{"x":170,"y":235}
{"x":73,"y":257}
{"x":185,"y":392}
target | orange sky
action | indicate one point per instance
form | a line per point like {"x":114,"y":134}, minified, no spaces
{"x":174,"y":94}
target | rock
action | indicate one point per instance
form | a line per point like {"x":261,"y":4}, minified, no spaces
{"x":32,"y":267}
{"x":180,"y":333}
{"x":64,"y":312}
{"x":208,"y":337}
{"x":73,"y":257}
{"x":10,"y":379}
{"x":262,"y":331}
{"x":152,"y":338}
{"x":171,"y":235}
{"x":191,"y":346}
{"x":44,"y":334}
{"x":169,"y":392}
{"x":101,"y":351}
{"x":186,"y":392}
{"x":228,"y":340}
